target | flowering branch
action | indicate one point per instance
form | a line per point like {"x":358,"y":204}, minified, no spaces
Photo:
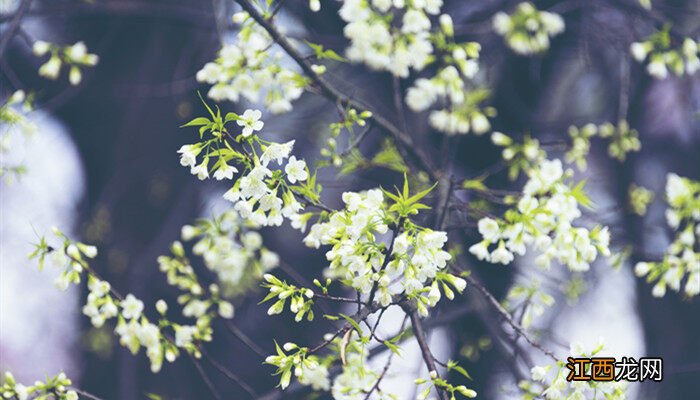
{"x":336,"y":96}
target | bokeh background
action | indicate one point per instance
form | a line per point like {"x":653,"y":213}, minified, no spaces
{"x":104,"y":167}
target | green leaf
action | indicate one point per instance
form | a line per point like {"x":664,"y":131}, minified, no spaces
{"x":197,"y":122}
{"x":452,"y":366}
{"x":394,"y":348}
{"x":474,"y":184}
{"x":580,"y":195}
{"x":352,"y":322}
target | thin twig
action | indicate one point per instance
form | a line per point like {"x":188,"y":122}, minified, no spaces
{"x":205,"y":378}
{"x":235,"y":331}
{"x":507,"y":317}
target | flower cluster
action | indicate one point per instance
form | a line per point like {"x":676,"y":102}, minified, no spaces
{"x":413,"y":263}
{"x":549,"y":381}
{"x":356,"y":379}
{"x":622,"y":138}
{"x":528,"y":30}
{"x":639,"y":199}
{"x":75,"y":57}
{"x":544,"y":218}
{"x":308,"y":369}
{"x":133,"y":327}
{"x":300,"y":299}
{"x":682,"y":258}
{"x":661,"y":55}
{"x":256,"y":194}
{"x":390,"y":35}
{"x":52,"y":388}
{"x":230,"y":249}
{"x":464,"y":112}
{"x":248,"y":69}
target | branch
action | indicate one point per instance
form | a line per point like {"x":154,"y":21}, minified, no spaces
{"x":336,"y":96}
{"x":14,"y":25}
{"x":417,"y":326}
{"x":508,"y":318}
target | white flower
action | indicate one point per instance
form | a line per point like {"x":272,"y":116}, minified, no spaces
{"x":226,"y":310}
{"x":184,"y":335}
{"x":415,"y":21}
{"x":161,"y":306}
{"x":539,"y":373}
{"x":131,"y":307}
{"x":692,"y":287}
{"x":40,"y":47}
{"x":201,"y":170}
{"x":489,"y":229}
{"x":641,"y":269}
{"x":149,"y":335}
{"x":480,"y":124}
{"x":480,"y":250}
{"x":188,"y":157}
{"x":501,"y":23}
{"x":657,"y":69}
{"x":51,"y":68}
{"x":77,"y":51}
{"x":315,"y":5}
{"x":296,"y":170}
{"x":250,"y":121}
{"x":277,"y":152}
{"x":22,"y":392}
{"x":676,"y":189}
{"x":659,"y":289}
{"x":639,"y":51}
{"x":501,"y":255}
{"x":225,"y":171}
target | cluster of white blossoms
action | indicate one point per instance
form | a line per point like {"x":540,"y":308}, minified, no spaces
{"x":262,"y":194}
{"x":74,"y":56}
{"x":248,"y":69}
{"x":463,"y":112}
{"x":300,"y":299}
{"x":622,"y":138}
{"x":416,"y":263}
{"x":390,"y":35}
{"x":133,"y":327}
{"x":231,"y":249}
{"x":682,"y":258}
{"x":661,"y":56}
{"x":528,"y":30}
{"x":549,"y":381}
{"x":308,"y":369}
{"x":57,"y":387}
{"x":356,"y":379}
{"x":544,"y":219}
